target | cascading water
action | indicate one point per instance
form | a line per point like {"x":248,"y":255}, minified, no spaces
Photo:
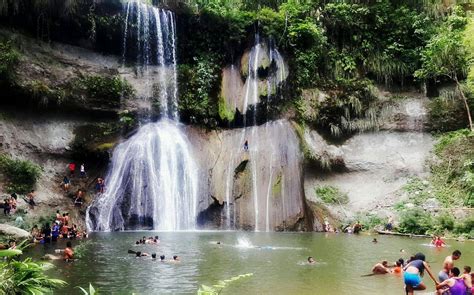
{"x":152,"y":181}
{"x":276,"y":75}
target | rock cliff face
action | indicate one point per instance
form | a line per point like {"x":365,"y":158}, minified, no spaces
{"x":375,"y":165}
{"x":259,"y":188}
{"x":265,"y":187}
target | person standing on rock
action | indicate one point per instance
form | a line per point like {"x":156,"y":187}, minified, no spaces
{"x":246,"y":145}
{"x":66,"y":183}
{"x":6,"y":207}
{"x":83,"y":170}
{"x":72,"y":168}
{"x":31,"y":199}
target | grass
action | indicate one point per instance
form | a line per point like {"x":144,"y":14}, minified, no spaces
{"x":331,"y":195}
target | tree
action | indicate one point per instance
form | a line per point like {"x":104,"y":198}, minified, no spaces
{"x":445,"y":56}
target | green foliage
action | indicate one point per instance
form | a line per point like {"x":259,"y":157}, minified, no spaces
{"x":465,"y":227}
{"x":26,"y":277}
{"x":453,"y":174}
{"x":221,"y":285}
{"x":91,"y":291}
{"x":21,"y":174}
{"x":10,"y":253}
{"x":197,"y":83}
{"x":331,"y":195}
{"x":445,"y":54}
{"x":444,"y":222}
{"x":368,"y":220}
{"x":446,"y":114}
{"x":415,"y":221}
{"x":418,"y":190}
{"x":9,"y":58}
{"x":103,"y":88}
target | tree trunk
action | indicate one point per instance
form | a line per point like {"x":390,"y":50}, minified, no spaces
{"x":466,"y":104}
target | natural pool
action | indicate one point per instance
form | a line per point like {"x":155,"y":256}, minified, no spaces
{"x":278,"y":265}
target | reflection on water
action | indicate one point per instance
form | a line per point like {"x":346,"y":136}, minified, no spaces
{"x":276,"y":259}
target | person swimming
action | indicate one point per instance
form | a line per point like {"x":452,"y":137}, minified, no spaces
{"x":311,"y":260}
{"x":162,"y":258}
{"x":175,"y":259}
{"x":141,"y":254}
{"x":68,"y":252}
{"x":374,"y":241}
{"x":381,"y":268}
{"x":153,"y":255}
{"x":398,"y":267}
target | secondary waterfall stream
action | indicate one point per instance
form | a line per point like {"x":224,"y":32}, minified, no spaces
{"x":152,"y":180}
{"x":263,"y":54}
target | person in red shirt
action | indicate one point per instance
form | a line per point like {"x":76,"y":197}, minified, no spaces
{"x":439,"y":242}
{"x":72,"y":168}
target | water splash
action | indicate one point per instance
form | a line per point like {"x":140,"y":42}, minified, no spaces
{"x":244,"y":242}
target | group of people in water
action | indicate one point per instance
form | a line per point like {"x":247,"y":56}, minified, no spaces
{"x":450,"y":280}
{"x":60,"y":228}
{"x":152,"y":241}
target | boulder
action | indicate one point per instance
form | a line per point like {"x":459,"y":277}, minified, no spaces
{"x":15,"y":232}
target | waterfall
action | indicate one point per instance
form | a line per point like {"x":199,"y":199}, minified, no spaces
{"x":261,"y":55}
{"x":152,"y":180}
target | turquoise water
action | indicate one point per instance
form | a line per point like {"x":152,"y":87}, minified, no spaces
{"x":277,"y":261}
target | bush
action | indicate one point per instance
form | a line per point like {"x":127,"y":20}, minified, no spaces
{"x":446,"y":114}
{"x":453,"y":174}
{"x":445,"y":222}
{"x":26,"y":277}
{"x":107,"y":89}
{"x":331,"y":195}
{"x":8,"y":60}
{"x":465,"y":227}
{"x":415,"y":221}
{"x":198,"y":83}
{"x":21,"y":174}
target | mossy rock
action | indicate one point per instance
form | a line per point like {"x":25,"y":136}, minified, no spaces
{"x":241,"y":168}
{"x":225,"y":113}
{"x":276,"y":187}
{"x":244,"y":64}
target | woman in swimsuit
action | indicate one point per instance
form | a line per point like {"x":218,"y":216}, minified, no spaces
{"x":413,"y":272}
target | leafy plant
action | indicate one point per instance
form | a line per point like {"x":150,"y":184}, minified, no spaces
{"x":9,"y":57}
{"x":21,"y":174}
{"x":25,"y":277}
{"x":446,"y":57}
{"x":221,"y":285}
{"x":331,"y":195}
{"x":91,"y":291}
{"x":416,"y":221}
{"x":104,"y":88}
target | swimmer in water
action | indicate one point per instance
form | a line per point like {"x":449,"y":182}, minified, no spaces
{"x":374,"y":241}
{"x":381,"y":268}
{"x":398,"y":268}
{"x":153,"y":256}
{"x":311,"y":260}
{"x":68,"y":252}
{"x":176,"y":259}
{"x":162,"y":258}
{"x":141,"y":254}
